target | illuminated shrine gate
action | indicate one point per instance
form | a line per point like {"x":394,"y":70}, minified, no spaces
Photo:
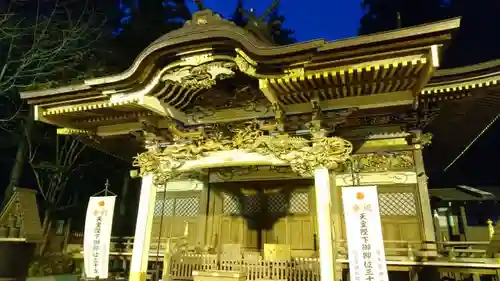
{"x":258,"y":213}
{"x":316,"y":104}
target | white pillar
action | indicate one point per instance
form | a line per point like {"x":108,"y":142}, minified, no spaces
{"x":327,"y":261}
{"x":143,"y":227}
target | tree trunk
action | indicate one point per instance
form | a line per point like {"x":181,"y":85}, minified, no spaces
{"x":123,"y":199}
{"x":46,"y":226}
{"x":67,"y":234}
{"x":19,"y":161}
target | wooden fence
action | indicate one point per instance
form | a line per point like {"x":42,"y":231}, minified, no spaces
{"x":303,"y":269}
{"x":462,"y":258}
{"x":465,"y":251}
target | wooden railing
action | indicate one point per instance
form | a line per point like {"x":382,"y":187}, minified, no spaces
{"x":304,"y":269}
{"x":464,"y":259}
{"x":299,"y":269}
{"x":466,"y":251}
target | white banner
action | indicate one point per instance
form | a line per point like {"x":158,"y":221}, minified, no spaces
{"x":364,"y":234}
{"x":97,"y":236}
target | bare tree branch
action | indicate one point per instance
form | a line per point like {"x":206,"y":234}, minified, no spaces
{"x":53,"y":176}
{"x":45,"y":40}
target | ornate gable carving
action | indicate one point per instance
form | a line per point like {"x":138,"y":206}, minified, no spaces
{"x":200,"y":76}
{"x":302,"y":154}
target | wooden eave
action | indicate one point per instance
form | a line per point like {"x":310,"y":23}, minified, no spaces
{"x":307,"y":54}
{"x":463,"y":81}
{"x":361,"y":79}
{"x":453,"y":194}
{"x":87,"y":117}
{"x":60,"y":95}
{"x":469,"y":100}
{"x":381,"y":70}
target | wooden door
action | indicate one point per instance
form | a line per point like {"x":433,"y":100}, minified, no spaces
{"x":234,"y":226}
{"x":296,"y":228}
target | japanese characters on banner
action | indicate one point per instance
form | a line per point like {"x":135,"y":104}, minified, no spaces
{"x":97,"y":236}
{"x":365,"y":243}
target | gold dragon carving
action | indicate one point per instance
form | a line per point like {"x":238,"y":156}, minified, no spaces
{"x":302,"y":154}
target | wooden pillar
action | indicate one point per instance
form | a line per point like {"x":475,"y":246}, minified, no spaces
{"x":203,"y":215}
{"x":166,"y":260}
{"x":413,"y":273}
{"x":437,"y":227}
{"x":217,"y":206}
{"x":327,"y":260}
{"x":336,"y":217}
{"x":143,"y":227}
{"x":465,"y":224}
{"x":423,"y":194}
{"x":210,"y":223}
{"x":449,"y":221}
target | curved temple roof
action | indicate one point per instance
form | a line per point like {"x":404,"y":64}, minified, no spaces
{"x":212,"y":71}
{"x":462,"y":119}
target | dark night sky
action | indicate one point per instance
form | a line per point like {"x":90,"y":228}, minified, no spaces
{"x":479,"y":165}
{"x":333,"y":19}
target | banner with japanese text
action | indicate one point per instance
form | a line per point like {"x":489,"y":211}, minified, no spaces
{"x":97,"y":236}
{"x":365,"y":243}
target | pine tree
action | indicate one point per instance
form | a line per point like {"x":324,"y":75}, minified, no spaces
{"x":280,"y":34}
{"x":147,"y":21}
{"x":238,"y":16}
{"x":271,"y":23}
{"x":477,"y":39}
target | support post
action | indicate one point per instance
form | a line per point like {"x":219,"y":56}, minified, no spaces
{"x":425,"y":204}
{"x":465,"y":224}
{"x":336,"y":218}
{"x":203,"y":215}
{"x":143,"y":227}
{"x":437,"y":227}
{"x":327,"y":260}
{"x":166,"y":260}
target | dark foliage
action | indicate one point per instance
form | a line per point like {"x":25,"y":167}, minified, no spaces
{"x":145,"y":21}
{"x":383,"y":15}
{"x":477,"y":40}
{"x":269,"y":25}
{"x":280,"y":34}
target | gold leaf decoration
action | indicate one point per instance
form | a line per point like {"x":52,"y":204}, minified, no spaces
{"x":203,"y":76}
{"x":380,"y":162}
{"x":302,"y":154}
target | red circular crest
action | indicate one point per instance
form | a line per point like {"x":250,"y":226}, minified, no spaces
{"x":360,"y":195}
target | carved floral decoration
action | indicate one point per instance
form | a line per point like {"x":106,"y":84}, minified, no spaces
{"x":302,"y":154}
{"x":380,"y":162}
{"x":202,"y":73}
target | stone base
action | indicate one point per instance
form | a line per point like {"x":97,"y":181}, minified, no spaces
{"x":15,"y":266}
{"x":137,"y":276}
